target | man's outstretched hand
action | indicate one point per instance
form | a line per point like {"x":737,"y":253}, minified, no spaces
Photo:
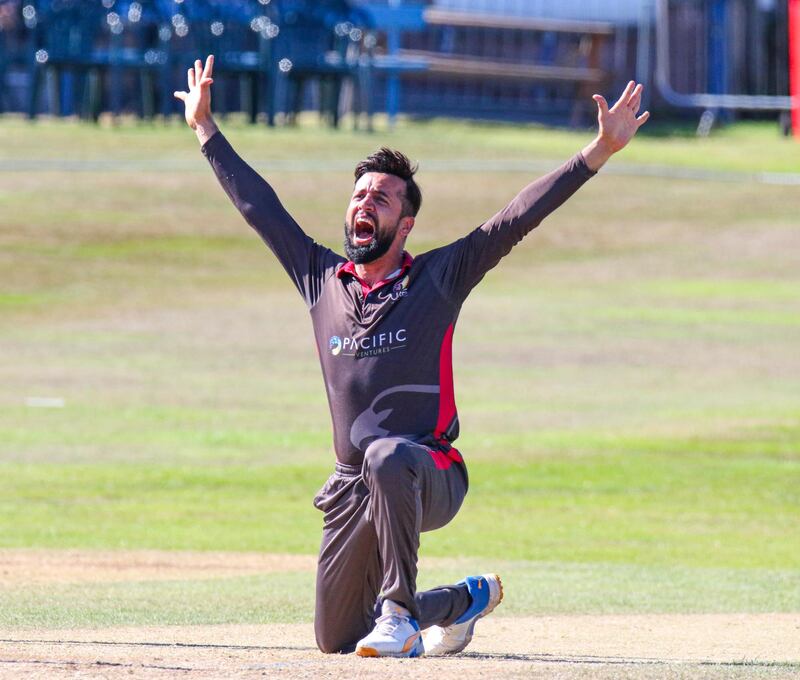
{"x":617,"y":124}
{"x":198,"y":99}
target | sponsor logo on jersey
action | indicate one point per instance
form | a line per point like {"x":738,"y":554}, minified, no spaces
{"x":369,"y":345}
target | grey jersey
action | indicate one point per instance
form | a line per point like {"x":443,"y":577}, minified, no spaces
{"x":386,"y":351}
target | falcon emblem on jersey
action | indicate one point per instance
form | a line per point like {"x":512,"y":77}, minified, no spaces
{"x":397,"y":291}
{"x":367,"y":426}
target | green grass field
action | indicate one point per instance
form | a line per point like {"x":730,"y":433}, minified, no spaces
{"x":628,"y":379}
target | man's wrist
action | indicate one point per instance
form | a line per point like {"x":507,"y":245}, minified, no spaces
{"x":596,"y":154}
{"x":205,"y":130}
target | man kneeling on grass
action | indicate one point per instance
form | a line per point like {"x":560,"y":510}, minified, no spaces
{"x":383,"y":323}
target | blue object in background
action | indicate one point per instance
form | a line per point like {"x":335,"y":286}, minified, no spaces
{"x":393,"y":18}
{"x":717,"y":66}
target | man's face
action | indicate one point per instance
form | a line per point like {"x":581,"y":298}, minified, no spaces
{"x":373,"y":222}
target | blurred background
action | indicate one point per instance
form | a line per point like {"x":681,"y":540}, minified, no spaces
{"x":518,"y":60}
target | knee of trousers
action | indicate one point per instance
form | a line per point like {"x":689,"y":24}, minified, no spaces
{"x":388,"y":460}
{"x":332,"y":646}
{"x":332,"y":641}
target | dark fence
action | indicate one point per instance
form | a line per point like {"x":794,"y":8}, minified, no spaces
{"x":729,"y":46}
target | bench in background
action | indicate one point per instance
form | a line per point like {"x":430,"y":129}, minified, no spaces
{"x":478,"y":48}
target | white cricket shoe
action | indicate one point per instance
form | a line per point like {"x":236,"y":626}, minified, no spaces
{"x":396,"y":633}
{"x":486,"y":592}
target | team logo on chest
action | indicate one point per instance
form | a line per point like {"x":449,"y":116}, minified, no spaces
{"x":397,"y":291}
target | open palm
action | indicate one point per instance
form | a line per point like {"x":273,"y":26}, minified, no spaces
{"x":198,"y":99}
{"x":619,"y":123}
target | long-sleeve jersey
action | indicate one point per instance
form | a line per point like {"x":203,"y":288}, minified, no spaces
{"x":386,"y":350}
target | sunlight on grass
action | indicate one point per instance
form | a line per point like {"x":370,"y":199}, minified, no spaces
{"x":628,"y":378}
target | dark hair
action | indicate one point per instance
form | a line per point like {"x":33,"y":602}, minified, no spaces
{"x":394,"y":163}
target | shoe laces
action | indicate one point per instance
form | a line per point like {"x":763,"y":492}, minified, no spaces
{"x":389,"y":622}
{"x":392,"y":617}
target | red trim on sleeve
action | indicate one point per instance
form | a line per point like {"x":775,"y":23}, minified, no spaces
{"x":447,"y":396}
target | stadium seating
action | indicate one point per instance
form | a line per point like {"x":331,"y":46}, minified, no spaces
{"x":115,"y":55}
{"x":90,"y":56}
{"x":471,"y":48}
{"x":320,"y":40}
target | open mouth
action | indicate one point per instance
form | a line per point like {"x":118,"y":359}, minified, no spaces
{"x":363,"y":231}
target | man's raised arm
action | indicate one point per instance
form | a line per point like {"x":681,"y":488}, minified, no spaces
{"x":307,"y":263}
{"x":465,"y":262}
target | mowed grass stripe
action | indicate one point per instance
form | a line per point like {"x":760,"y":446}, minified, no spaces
{"x":647,"y":509}
{"x":748,"y":147}
{"x":288,"y":597}
{"x":176,"y":435}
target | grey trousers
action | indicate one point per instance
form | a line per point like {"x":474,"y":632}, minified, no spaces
{"x":373,"y":516}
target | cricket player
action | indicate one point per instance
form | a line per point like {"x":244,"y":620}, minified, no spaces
{"x":383,"y":322}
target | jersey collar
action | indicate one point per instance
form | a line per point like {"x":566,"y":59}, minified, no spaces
{"x":350,"y":268}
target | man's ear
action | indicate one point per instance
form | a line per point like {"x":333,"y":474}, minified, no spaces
{"x":406,"y":225}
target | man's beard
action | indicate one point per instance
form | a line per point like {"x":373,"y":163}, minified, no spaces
{"x":382,"y":240}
